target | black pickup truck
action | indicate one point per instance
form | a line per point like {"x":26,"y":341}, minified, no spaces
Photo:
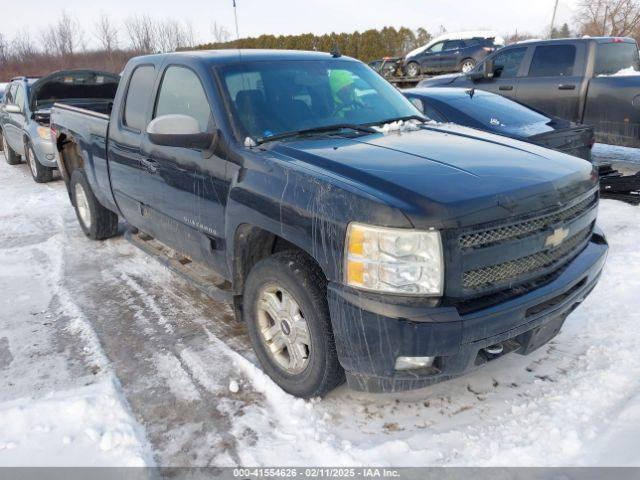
{"x":594,"y":81}
{"x":353,"y":237}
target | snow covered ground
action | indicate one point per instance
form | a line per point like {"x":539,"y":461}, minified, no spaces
{"x":107,"y":358}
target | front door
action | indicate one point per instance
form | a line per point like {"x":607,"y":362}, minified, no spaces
{"x":190,"y":188}
{"x":450,"y":56}
{"x":506,"y":67}
{"x":430,"y":61}
{"x":15,"y":122}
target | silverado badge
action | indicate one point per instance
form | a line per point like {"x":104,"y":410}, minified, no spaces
{"x":557,"y":237}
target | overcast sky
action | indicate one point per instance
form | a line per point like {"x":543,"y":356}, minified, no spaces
{"x":290,"y":17}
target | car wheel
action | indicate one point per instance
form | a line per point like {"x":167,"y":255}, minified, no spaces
{"x":287,"y":317}
{"x":413,"y":69}
{"x":39,"y":172}
{"x":467,"y":65}
{"x":96,"y":221}
{"x":10,"y":155}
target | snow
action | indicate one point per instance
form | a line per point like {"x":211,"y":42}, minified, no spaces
{"x":625,"y":72}
{"x":67,"y":399}
{"x":87,"y":426}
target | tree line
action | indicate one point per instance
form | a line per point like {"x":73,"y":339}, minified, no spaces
{"x":106,"y":44}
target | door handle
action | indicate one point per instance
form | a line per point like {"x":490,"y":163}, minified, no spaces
{"x":149,"y":165}
{"x":505,"y":87}
{"x":566,"y":87}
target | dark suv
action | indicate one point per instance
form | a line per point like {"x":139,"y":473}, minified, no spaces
{"x":449,"y":56}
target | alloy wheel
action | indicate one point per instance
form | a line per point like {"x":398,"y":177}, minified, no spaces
{"x":283,"y":329}
{"x":82,"y":204}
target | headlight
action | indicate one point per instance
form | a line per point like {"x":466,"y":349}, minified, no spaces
{"x":394,"y":260}
{"x":44,"y":133}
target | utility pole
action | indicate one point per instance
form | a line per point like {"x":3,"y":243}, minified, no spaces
{"x":553,"y":18}
{"x":604,"y":21}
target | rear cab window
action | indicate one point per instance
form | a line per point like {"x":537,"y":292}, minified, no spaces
{"x":553,"y":61}
{"x":138,"y":94}
{"x":615,"y":57}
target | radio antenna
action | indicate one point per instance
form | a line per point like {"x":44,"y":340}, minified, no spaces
{"x":235,"y":15}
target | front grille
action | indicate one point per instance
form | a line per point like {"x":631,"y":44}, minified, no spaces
{"x":497,"y":274}
{"x":528,"y":227}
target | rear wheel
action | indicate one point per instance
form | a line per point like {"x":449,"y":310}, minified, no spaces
{"x":10,"y":155}
{"x":39,"y":172}
{"x":467,"y":65}
{"x":287,"y":317}
{"x":412,"y":69}
{"x":96,"y":221}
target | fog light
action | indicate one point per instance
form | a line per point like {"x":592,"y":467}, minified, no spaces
{"x":409,"y":363}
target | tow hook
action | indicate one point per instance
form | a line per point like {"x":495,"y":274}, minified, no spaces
{"x":494,"y":349}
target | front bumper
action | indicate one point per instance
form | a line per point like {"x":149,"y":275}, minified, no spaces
{"x":370,"y":332}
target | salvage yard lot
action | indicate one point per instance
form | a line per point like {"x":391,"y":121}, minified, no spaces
{"x":108,"y":358}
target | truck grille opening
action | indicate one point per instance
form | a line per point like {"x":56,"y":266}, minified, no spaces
{"x":487,"y":237}
{"x":503,"y":272}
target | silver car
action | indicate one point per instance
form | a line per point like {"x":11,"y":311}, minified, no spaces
{"x":24,"y":114}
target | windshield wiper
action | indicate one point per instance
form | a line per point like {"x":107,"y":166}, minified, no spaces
{"x":308,"y":131}
{"x":400,"y":119}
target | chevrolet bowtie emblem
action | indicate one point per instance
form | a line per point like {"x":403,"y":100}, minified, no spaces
{"x":557,"y":237}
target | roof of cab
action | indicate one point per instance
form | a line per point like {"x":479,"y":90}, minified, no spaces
{"x":537,"y":41}
{"x":252,"y":55}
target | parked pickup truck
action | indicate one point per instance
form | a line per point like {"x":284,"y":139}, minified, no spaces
{"x":354,"y":238}
{"x":595,"y":81}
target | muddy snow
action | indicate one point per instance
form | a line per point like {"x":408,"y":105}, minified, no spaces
{"x":108,"y":358}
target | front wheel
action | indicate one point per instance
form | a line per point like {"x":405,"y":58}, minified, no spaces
{"x":96,"y":221}
{"x":412,"y":69}
{"x":287,"y":317}
{"x":467,"y":65}
{"x":39,"y":172}
{"x":10,"y":155}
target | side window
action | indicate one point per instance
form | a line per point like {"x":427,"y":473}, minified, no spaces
{"x":553,"y":61}
{"x":18,"y":99}
{"x":8,"y":98}
{"x":182,"y":93}
{"x":507,"y":63}
{"x":436,"y":48}
{"x":135,"y":105}
{"x":452,"y":45}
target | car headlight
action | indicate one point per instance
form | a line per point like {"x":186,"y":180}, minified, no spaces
{"x":394,"y":260}
{"x":44,"y":133}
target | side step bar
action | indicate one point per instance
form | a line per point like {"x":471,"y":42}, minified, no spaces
{"x":195,"y":273}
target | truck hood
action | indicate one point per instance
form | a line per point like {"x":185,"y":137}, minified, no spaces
{"x":440,"y":80}
{"x":449,"y":176}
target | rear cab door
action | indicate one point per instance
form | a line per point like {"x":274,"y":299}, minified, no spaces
{"x":127,"y":170}
{"x":554,"y":81}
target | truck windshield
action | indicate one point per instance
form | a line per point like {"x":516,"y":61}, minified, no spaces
{"x":502,"y":115}
{"x":269,"y":98}
{"x":617,"y":57}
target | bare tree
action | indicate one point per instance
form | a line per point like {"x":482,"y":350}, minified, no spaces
{"x":617,"y":18}
{"x":173,"y":35}
{"x":106,"y":33}
{"x":4,"y":49}
{"x":141,"y":30}
{"x":220,"y":33}
{"x":22,"y":45}
{"x":63,"y":38}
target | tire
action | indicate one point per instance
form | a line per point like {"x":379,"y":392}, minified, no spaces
{"x":295,"y":275}
{"x":96,"y":221}
{"x":412,"y":69}
{"x":467,"y":65}
{"x":39,"y":172}
{"x":10,"y":155}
